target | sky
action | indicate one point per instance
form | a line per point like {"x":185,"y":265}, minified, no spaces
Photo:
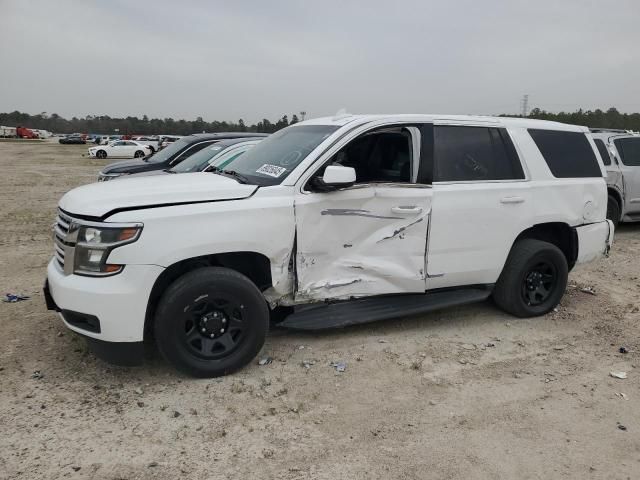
{"x":224,"y":60}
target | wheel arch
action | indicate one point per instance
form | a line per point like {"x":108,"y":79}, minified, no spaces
{"x":615,"y":193}
{"x":560,"y":234}
{"x":255,"y":266}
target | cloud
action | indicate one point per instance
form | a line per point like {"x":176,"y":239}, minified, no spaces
{"x":227,"y":60}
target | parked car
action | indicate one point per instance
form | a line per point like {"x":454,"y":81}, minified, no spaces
{"x":121,"y":149}
{"x":348,"y":220}
{"x":101,"y":140}
{"x":43,"y":134}
{"x":166,"y":140}
{"x":170,"y":156}
{"x":151,"y":142}
{"x":216,"y":156}
{"x":75,"y":139}
{"x":620,"y":152}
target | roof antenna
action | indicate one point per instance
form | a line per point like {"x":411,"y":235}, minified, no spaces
{"x":341,"y":114}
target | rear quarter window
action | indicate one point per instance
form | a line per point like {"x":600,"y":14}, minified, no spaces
{"x":472,"y":154}
{"x":629,"y":150}
{"x":568,"y":154}
{"x":604,"y":153}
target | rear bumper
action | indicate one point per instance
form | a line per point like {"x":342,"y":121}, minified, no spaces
{"x":594,"y":240}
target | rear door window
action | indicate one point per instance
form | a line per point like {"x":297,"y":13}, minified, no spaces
{"x":604,"y":153}
{"x":629,"y":150}
{"x":568,"y":154}
{"x":464,"y":153}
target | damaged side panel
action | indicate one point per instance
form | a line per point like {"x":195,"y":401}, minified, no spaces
{"x":362,"y":241}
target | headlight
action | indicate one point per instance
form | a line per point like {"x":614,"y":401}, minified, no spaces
{"x":94,"y":245}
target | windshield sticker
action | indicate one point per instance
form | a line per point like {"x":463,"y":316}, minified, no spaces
{"x":271,"y":170}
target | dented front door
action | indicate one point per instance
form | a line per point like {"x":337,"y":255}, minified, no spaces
{"x":361,"y":241}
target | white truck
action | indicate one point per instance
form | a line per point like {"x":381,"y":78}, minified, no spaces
{"x":620,"y":152}
{"x":8,"y":132}
{"x":327,"y":223}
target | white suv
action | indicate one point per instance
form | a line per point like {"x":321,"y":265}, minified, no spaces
{"x":326,"y":223}
{"x":623,"y":172}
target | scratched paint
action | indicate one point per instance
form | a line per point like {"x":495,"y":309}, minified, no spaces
{"x":355,"y":213}
{"x":398,"y":231}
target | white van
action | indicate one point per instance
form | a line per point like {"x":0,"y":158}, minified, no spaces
{"x":327,"y":223}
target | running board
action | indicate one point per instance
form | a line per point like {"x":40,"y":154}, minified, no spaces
{"x":372,"y":309}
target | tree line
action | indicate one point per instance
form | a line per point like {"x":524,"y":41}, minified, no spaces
{"x":610,"y":118}
{"x":105,"y":124}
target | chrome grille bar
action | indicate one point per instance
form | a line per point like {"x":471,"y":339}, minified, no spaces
{"x":64,"y":243}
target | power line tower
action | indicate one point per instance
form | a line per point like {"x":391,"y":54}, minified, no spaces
{"x":524,"y":105}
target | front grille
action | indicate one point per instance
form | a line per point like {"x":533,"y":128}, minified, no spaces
{"x":64,"y":242}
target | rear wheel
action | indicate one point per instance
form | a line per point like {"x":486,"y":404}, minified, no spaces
{"x":613,"y":210}
{"x":138,"y":154}
{"x":211,"y":321}
{"x":101,"y":154}
{"x":533,"y":280}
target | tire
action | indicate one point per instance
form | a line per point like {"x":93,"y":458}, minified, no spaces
{"x":101,"y":154}
{"x":533,"y":280}
{"x":138,"y":154}
{"x":613,"y":210}
{"x":211,"y":322}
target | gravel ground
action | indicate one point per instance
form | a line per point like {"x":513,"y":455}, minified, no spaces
{"x":462,"y":393}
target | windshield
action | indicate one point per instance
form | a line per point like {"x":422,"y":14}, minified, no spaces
{"x":225,"y":158}
{"x":168,"y":152}
{"x":199,"y":160}
{"x":271,"y":160}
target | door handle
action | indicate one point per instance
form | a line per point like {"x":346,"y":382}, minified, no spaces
{"x":511,"y":200}
{"x":406,"y":210}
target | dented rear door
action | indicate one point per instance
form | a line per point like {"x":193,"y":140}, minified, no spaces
{"x":361,"y":241}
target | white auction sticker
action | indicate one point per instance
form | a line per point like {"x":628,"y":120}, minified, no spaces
{"x":271,"y":170}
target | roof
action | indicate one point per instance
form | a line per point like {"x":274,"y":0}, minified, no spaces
{"x":222,"y":135}
{"x":227,"y":142}
{"x":341,"y":120}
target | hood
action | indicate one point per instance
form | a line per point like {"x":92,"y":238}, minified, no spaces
{"x":143,"y":174}
{"x":126,"y":166}
{"x":99,"y":199}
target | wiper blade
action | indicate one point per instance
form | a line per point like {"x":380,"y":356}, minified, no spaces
{"x":169,"y":170}
{"x":231,"y":173}
{"x":238,"y":176}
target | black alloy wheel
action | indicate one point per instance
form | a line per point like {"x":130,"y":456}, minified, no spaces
{"x":539,"y":283}
{"x":211,"y":321}
{"x":214,"y":327}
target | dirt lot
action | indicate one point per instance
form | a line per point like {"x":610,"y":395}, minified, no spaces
{"x":463,"y":393}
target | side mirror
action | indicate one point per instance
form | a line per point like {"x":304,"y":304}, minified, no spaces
{"x":335,"y":177}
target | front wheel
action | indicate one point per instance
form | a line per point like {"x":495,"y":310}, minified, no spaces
{"x":101,"y":154}
{"x":211,"y":321}
{"x":138,"y":154}
{"x":533,"y":280}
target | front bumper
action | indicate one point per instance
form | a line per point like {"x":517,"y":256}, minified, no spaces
{"x":594,"y":240}
{"x":118,"y":302}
